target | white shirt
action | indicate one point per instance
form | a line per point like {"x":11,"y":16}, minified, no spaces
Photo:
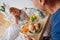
{"x":13,"y":31}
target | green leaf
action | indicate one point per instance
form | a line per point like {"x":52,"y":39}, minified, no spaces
{"x":2,"y":8}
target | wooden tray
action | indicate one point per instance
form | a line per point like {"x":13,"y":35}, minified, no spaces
{"x":39,"y":35}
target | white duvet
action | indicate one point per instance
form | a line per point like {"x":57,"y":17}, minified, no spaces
{"x":12,"y":33}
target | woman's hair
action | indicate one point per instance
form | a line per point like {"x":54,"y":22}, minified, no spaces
{"x":13,"y":9}
{"x":51,"y":2}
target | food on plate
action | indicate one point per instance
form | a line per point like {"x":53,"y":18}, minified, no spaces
{"x":32,"y":18}
{"x":35,"y":28}
{"x":31,"y":27}
{"x":25,"y":28}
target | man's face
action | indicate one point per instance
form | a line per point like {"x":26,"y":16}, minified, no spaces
{"x":42,"y":6}
{"x":38,"y":4}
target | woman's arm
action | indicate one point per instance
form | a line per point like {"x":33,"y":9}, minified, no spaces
{"x":26,"y":16}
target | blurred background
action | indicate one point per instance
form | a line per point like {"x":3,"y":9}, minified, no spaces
{"x":18,"y":3}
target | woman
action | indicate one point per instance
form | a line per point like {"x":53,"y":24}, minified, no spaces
{"x":52,"y":6}
{"x":20,"y":18}
{"x":19,"y":14}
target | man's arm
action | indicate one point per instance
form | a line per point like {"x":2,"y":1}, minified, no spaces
{"x":56,"y":27}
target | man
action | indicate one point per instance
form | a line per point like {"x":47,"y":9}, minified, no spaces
{"x":52,"y":6}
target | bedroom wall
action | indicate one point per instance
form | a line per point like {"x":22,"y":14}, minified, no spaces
{"x":18,"y":3}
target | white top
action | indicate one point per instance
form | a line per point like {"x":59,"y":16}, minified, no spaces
{"x":13,"y":31}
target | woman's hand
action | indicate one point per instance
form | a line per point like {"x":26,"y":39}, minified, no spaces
{"x":26,"y":16}
{"x":27,"y":37}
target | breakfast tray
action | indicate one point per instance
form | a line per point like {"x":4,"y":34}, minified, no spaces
{"x":39,"y":35}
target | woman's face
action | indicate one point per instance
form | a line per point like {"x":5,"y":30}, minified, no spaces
{"x":16,"y":14}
